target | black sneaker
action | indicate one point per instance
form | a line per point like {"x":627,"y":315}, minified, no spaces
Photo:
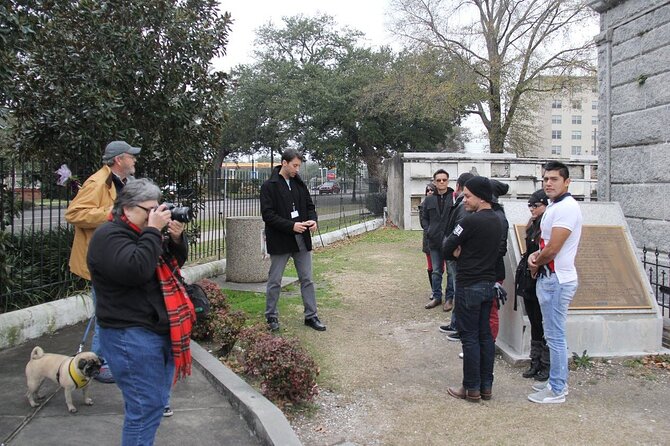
{"x":167,"y":412}
{"x":456,"y":337}
{"x":447,"y":328}
{"x":273,"y":324}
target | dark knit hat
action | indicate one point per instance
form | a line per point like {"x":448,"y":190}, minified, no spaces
{"x":480,"y":187}
{"x":463,"y":178}
{"x":538,"y":197}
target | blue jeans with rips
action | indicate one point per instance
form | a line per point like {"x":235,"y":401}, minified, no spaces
{"x":143,"y":367}
{"x":473,"y":307}
{"x":554,"y":298}
{"x":437,"y":259}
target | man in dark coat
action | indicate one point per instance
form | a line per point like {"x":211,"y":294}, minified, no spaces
{"x":434,"y":217}
{"x":290,"y":219}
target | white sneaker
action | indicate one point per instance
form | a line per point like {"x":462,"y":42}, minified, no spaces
{"x":547,"y":396}
{"x":545,"y":385}
{"x":460,"y":355}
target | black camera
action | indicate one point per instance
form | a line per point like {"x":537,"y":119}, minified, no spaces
{"x":183,"y":214}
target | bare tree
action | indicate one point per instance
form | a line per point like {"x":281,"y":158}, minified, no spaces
{"x":507,"y":44}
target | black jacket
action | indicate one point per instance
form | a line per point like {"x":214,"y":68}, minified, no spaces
{"x":123,"y":270}
{"x":502,"y":248}
{"x":478,"y":235}
{"x":276,"y":207}
{"x":435,"y":222}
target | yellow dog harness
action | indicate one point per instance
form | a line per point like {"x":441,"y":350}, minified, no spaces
{"x":80,"y":381}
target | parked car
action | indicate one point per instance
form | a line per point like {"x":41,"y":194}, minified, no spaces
{"x":329,"y":187}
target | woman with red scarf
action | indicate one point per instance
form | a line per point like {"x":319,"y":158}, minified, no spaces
{"x":143,"y":311}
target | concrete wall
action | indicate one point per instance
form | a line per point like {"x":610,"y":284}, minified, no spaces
{"x":410,"y":172}
{"x":634,"y":114}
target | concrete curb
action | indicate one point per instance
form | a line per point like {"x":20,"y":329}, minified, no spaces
{"x":323,"y":240}
{"x":267,"y":422}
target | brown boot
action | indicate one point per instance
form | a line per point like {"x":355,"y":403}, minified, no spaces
{"x":448,"y":305}
{"x":474,"y":396}
{"x":433,"y":303}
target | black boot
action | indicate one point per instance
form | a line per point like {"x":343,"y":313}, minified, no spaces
{"x":543,"y":373}
{"x":535,"y":352}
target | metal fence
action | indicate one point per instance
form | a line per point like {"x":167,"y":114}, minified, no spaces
{"x":35,"y":239}
{"x":657,"y":268}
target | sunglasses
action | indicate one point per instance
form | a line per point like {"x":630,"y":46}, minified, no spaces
{"x":441,"y":180}
{"x":535,"y":205}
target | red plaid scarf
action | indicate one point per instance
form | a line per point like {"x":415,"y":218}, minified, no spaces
{"x":181,"y":313}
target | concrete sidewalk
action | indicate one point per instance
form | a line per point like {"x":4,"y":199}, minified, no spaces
{"x":202,"y":415}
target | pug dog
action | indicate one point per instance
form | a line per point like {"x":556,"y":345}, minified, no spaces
{"x":68,"y":372}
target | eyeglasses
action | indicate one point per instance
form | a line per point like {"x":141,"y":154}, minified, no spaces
{"x":535,"y":205}
{"x":441,"y":180}
{"x":148,"y":210}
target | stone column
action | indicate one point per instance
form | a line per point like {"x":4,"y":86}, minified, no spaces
{"x":246,"y":257}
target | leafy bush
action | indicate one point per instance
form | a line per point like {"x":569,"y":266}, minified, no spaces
{"x":226,"y":327}
{"x":375,"y":202}
{"x":218,"y":302}
{"x":286,"y":372}
{"x":35,"y":266}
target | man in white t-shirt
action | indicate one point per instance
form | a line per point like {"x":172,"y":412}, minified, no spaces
{"x":554,"y":266}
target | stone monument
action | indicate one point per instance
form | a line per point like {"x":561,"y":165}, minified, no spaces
{"x":613,"y":313}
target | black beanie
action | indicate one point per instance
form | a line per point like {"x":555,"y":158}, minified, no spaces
{"x":539,"y":197}
{"x":480,"y":187}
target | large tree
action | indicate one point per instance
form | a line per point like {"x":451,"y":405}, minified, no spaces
{"x":98,"y":70}
{"x":507,"y":44}
{"x":314,"y":86}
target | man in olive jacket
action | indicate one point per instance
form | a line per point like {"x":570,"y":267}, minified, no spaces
{"x":90,"y":208}
{"x":290,"y":219}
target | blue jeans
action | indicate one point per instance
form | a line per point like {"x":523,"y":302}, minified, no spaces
{"x":142,"y":364}
{"x":554,"y":299}
{"x":95,"y":342}
{"x":474,"y":307}
{"x":437,"y":259}
{"x":451,"y":288}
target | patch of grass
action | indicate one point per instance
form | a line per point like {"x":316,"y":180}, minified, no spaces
{"x":633,"y":363}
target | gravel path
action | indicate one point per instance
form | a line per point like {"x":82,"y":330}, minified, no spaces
{"x":386,"y":368}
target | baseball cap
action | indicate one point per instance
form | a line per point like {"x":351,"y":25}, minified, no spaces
{"x":116,"y":148}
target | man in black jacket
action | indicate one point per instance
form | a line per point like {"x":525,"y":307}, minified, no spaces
{"x":435,"y":216}
{"x":474,"y":243}
{"x":457,"y":213}
{"x":290,"y":219}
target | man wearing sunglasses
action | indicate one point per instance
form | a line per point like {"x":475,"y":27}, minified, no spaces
{"x":435,"y":217}
{"x":91,"y":207}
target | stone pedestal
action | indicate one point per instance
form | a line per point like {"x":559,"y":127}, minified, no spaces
{"x":610,"y":331}
{"x":246,"y":257}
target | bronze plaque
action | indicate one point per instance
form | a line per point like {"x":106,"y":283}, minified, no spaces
{"x":609,"y":277}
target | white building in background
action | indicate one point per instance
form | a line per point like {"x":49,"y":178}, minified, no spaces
{"x":567,"y":120}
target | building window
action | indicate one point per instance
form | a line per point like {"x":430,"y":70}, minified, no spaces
{"x":577,"y":105}
{"x":556,"y":103}
{"x":555,"y":134}
{"x":576,"y":134}
{"x":594,"y":120}
{"x":555,"y":150}
{"x":594,"y":105}
{"x":576,"y":119}
{"x":556,"y":119}
{"x":576,"y":150}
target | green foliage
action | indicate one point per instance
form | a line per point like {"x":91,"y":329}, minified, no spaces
{"x":226,"y":326}
{"x":583,"y":361}
{"x":375,"y":202}
{"x":35,"y":264}
{"x":218,"y":303}
{"x":95,"y":71}
{"x":286,"y":372}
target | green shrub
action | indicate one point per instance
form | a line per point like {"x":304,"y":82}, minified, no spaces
{"x":286,"y":372}
{"x":218,"y":302}
{"x":35,"y":266}
{"x":226,"y":327}
{"x":375,"y":202}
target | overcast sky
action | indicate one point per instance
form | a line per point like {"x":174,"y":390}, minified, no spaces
{"x":367,"y":16}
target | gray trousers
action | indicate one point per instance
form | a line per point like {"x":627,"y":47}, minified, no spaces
{"x":303,"y":265}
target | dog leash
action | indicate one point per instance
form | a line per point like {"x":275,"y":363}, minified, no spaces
{"x":83,"y":340}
